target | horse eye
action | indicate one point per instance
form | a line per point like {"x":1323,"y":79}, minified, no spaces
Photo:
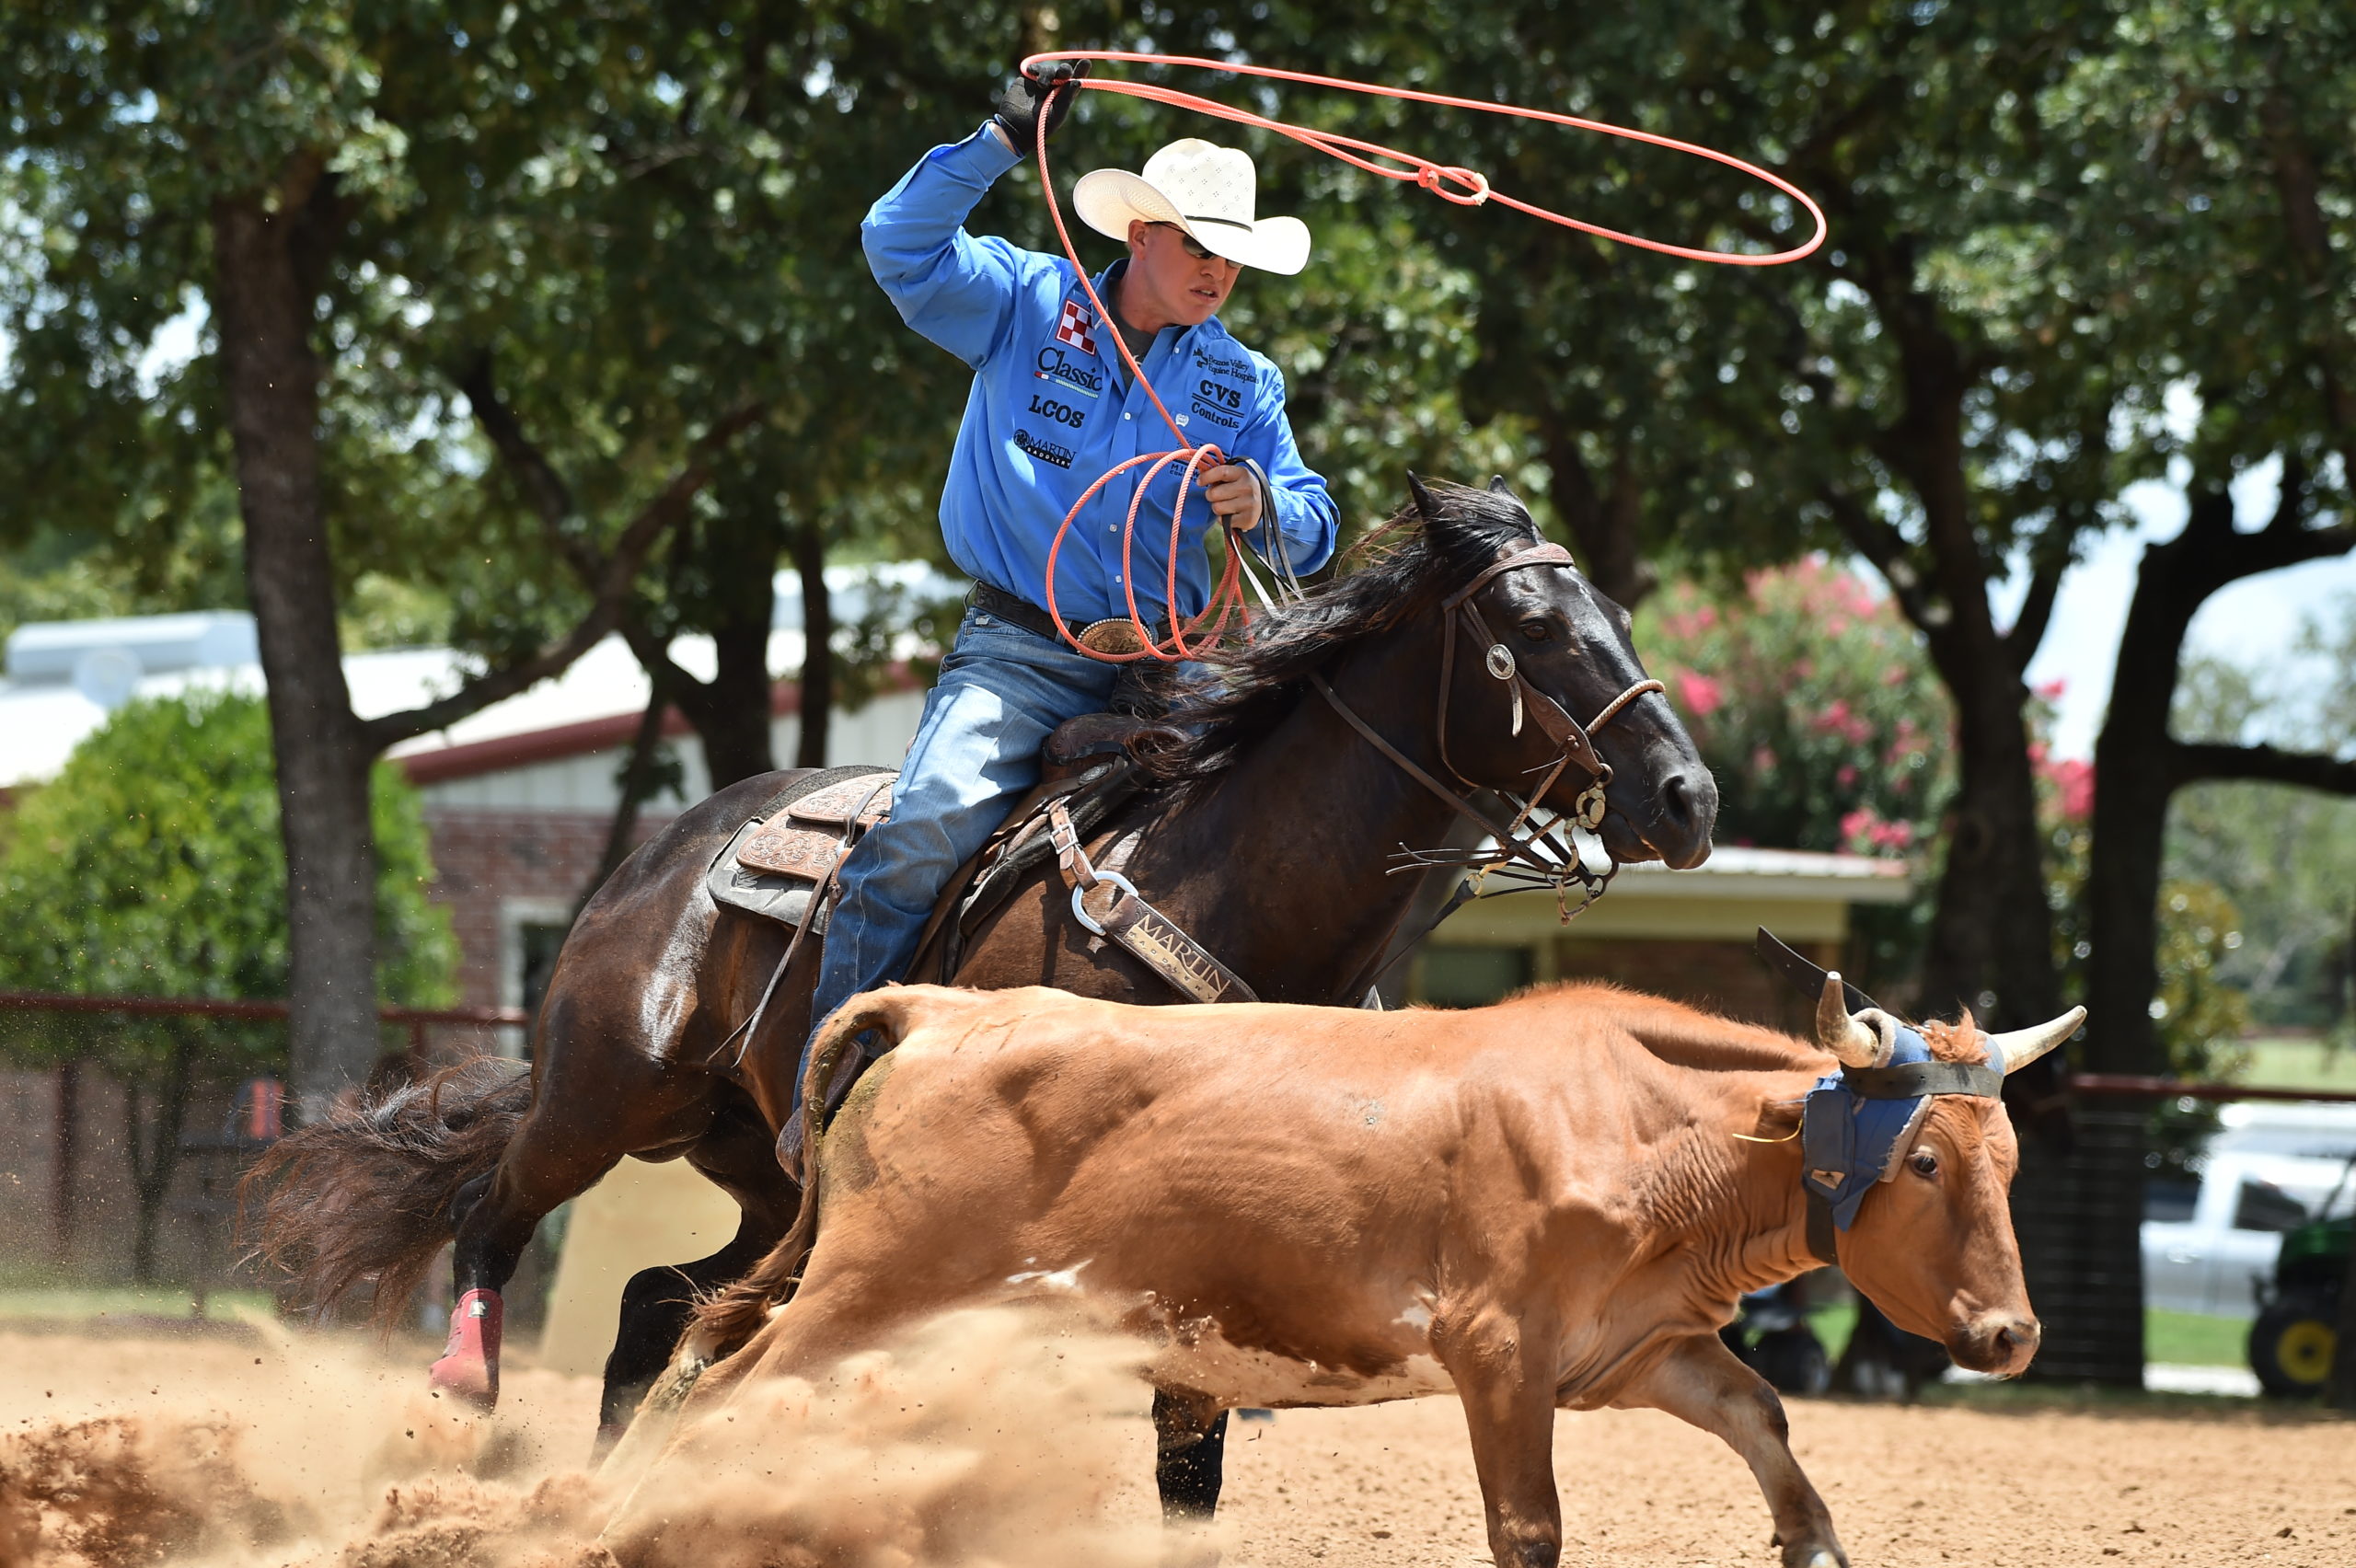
{"x":1925,"y":1162}
{"x":1537,"y":628}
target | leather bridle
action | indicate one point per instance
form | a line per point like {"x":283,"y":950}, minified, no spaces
{"x":1542,"y":857}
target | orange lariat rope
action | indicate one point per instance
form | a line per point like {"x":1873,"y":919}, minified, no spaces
{"x":1472,"y":190}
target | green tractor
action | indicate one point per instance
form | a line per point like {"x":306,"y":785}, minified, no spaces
{"x":2292,"y":1342}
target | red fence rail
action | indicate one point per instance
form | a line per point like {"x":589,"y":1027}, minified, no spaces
{"x":415,"y":1020}
{"x":2128,"y":1085}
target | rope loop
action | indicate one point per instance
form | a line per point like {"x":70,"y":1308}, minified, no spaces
{"x":1470,"y":188}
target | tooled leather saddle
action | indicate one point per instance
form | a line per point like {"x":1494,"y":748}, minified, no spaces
{"x":781,"y":864}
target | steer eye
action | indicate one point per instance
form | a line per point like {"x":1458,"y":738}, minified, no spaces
{"x":1923,"y":1162}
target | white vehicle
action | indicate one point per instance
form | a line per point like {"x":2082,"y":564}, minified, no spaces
{"x":2269,"y":1168}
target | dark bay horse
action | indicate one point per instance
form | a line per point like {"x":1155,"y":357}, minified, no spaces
{"x":1273,"y":824}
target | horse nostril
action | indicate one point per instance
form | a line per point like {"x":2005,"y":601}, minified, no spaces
{"x":1677,"y":799}
{"x":2018,"y":1334}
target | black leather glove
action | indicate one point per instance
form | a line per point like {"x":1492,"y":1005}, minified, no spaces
{"x":1018,"y":106}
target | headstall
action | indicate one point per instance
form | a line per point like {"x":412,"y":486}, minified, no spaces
{"x":1541,"y":857}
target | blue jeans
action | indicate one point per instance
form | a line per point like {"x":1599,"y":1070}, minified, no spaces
{"x":1003,"y":691}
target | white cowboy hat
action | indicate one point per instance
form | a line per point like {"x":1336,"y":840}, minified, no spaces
{"x":1204,"y":189}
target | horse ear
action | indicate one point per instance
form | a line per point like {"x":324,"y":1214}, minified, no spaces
{"x":1425,"y":503}
{"x":1497,"y":485}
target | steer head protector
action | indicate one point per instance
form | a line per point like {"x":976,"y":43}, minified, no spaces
{"x":1856,"y":1125}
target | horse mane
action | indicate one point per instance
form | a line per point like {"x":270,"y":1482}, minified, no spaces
{"x":1206,"y":716}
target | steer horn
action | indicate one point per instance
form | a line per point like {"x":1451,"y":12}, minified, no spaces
{"x":2022,"y":1046}
{"x":1837,"y":1031}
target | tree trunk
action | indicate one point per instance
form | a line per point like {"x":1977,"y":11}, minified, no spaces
{"x":154,"y":1146}
{"x":2136,"y":771}
{"x":733,"y":718}
{"x":1605,"y":524}
{"x":1991,"y":934}
{"x":262,"y":312}
{"x":2139,"y":765}
{"x":1991,"y":946}
{"x":67,"y":1140}
{"x":808,"y":544}
{"x":640,"y":777}
{"x":2092,"y":1304}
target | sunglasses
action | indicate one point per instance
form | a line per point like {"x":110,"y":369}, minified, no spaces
{"x":1194,"y":247}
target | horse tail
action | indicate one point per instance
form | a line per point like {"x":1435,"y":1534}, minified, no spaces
{"x":366,"y":1196}
{"x":725,"y":1321}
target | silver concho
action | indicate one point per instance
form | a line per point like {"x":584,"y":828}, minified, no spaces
{"x":1500,"y":661}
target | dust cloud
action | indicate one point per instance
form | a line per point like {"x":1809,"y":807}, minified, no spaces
{"x":985,"y":1438}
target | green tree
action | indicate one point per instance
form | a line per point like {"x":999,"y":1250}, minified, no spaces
{"x":152,"y":865}
{"x":295,"y":169}
{"x":2218,"y":217}
{"x":1933,"y":391}
{"x":2286,"y":857}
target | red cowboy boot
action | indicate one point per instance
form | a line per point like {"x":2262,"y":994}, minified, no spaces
{"x":470,"y":1365}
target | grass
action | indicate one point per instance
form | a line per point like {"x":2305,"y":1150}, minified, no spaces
{"x":1832,"y":1325}
{"x":126,"y":1301}
{"x":2188,"y":1339}
{"x":2195,"y":1339}
{"x":30,"y":1290}
{"x":2290,"y":1062}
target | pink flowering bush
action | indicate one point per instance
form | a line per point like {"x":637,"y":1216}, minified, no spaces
{"x":1813,"y":703}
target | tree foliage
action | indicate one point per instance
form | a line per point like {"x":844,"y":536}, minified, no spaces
{"x":154,"y":857}
{"x":1814,"y":705}
{"x":2287,"y":858}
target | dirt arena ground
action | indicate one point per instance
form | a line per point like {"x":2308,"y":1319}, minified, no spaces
{"x":2015,"y":1484}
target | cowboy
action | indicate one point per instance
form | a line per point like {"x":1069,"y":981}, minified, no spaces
{"x":1053,"y":407}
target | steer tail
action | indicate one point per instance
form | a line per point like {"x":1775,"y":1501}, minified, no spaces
{"x":365,"y":1196}
{"x":726,"y":1320}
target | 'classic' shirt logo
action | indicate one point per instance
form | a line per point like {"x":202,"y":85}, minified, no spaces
{"x":1056,"y":365}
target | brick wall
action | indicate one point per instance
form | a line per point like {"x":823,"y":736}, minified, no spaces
{"x":484,"y":860}
{"x":1723,"y":976}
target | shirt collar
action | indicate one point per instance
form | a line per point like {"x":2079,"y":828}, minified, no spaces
{"x":1109,"y":280}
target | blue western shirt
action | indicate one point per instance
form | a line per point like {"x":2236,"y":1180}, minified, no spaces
{"x":1051,"y":406}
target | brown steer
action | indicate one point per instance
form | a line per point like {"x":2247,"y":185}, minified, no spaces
{"x":1549,"y":1203}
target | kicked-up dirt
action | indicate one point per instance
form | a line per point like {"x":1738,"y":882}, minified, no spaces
{"x":981,"y":1440}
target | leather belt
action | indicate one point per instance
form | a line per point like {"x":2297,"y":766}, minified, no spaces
{"x":1114,"y":635}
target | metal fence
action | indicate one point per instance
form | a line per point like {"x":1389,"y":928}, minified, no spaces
{"x":211,"y":1151}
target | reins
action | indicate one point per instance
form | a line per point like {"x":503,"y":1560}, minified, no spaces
{"x":1463,"y":186}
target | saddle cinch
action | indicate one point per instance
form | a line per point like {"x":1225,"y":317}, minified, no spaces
{"x":781,"y":864}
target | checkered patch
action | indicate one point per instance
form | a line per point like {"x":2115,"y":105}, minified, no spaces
{"x":1076,"y":325}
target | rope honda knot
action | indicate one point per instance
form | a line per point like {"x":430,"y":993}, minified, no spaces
{"x":1475,"y":183}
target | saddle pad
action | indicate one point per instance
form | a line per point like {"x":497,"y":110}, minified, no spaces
{"x":809,"y":838}
{"x":770,"y":895}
